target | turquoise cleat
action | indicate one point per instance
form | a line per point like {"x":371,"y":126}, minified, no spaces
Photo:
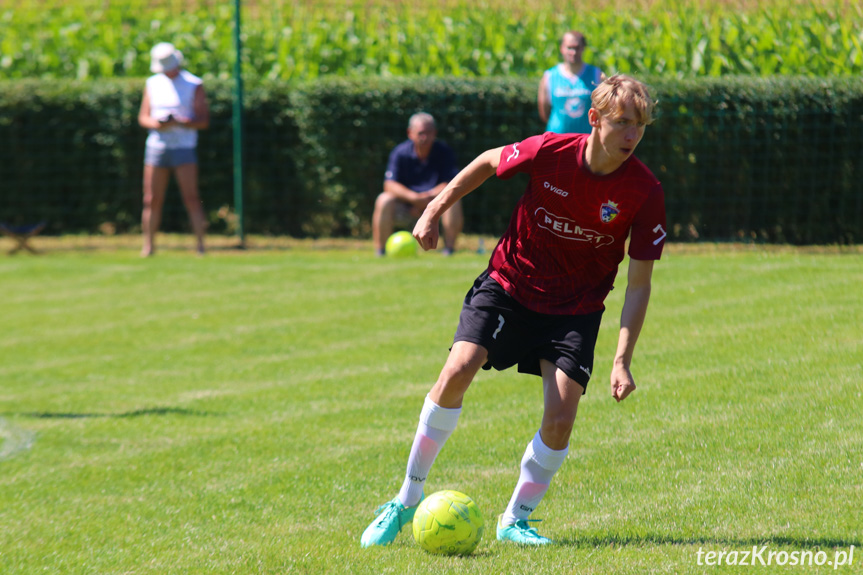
{"x":392,"y":516}
{"x":522,"y":533}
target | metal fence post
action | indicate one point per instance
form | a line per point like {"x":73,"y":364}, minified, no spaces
{"x":238,"y":126}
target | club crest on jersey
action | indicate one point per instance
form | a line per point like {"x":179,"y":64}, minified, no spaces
{"x":608,"y":211}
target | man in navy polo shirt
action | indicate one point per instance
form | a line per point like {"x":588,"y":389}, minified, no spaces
{"x":418,"y":170}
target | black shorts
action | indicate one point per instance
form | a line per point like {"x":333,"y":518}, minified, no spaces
{"x":513,"y":334}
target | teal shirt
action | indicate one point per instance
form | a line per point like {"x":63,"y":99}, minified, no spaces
{"x":570,"y":99}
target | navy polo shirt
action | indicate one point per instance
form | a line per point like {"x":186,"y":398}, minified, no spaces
{"x":407,"y":169}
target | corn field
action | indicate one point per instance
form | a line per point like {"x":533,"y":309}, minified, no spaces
{"x":303,"y":40}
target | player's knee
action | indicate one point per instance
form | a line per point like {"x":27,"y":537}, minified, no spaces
{"x":456,"y":376}
{"x":465,"y":359}
{"x":556,"y":430}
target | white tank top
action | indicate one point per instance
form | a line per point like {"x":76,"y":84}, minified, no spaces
{"x":172,"y":97}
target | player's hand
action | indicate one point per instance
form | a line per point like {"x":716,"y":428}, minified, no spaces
{"x":622,"y":383}
{"x":426,"y":232}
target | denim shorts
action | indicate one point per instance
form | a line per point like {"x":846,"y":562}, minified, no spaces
{"x":169,"y":157}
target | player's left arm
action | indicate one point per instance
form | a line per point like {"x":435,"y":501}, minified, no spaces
{"x":631,"y":320}
{"x":435,"y":191}
{"x":425,"y":198}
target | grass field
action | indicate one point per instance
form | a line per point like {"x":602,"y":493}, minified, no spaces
{"x":246,"y":412}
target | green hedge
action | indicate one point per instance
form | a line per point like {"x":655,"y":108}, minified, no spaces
{"x":775,"y":160}
{"x":72,"y":156}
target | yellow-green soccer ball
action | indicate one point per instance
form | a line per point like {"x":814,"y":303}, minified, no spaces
{"x":448,"y":523}
{"x":401,"y":244}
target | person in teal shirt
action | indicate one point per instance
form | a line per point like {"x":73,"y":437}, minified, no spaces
{"x":564,"y":91}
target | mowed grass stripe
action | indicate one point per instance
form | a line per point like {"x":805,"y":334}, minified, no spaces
{"x":259,"y":436}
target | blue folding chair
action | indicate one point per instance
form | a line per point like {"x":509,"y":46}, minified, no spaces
{"x":21,"y":235}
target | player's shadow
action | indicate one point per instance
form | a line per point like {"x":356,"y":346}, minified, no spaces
{"x":126,"y":414}
{"x":593,"y":541}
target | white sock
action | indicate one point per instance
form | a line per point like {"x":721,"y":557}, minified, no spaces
{"x":436,"y":425}
{"x":538,"y":466}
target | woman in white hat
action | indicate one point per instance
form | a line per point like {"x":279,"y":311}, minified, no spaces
{"x":173,"y":109}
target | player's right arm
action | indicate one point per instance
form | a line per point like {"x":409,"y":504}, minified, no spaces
{"x":470,"y":178}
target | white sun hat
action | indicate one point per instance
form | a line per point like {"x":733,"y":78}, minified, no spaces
{"x":164,"y":57}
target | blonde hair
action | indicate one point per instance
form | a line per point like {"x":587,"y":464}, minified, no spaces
{"x":615,"y":92}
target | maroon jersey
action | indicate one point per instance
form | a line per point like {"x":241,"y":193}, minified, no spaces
{"x":567,"y":233}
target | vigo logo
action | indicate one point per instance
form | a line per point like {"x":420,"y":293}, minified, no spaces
{"x":568,"y":230}
{"x":558,"y":191}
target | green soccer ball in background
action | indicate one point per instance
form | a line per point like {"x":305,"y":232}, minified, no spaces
{"x":448,"y":523}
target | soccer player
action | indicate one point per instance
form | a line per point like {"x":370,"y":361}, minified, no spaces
{"x":539,"y":303}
